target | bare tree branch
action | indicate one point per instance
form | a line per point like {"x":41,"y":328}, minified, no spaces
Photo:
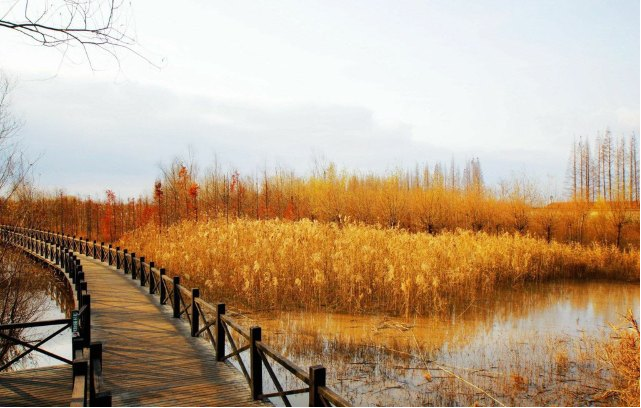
{"x":89,"y":24}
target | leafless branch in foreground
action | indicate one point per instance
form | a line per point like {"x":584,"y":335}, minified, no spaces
{"x":89,"y":24}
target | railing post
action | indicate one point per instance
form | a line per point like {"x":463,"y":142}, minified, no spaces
{"x":176,"y":296}
{"x":195,"y":316}
{"x":220,"y":332}
{"x":95,"y":350}
{"x":95,"y":252}
{"x":77,"y":270}
{"x":163,"y":289}
{"x":80,"y":369}
{"x":117,"y":257}
{"x":76,"y":267}
{"x":255,"y":363}
{"x":86,"y":319}
{"x":133,"y":265}
{"x":124,"y":261}
{"x":77,"y":343}
{"x":152,"y":280}
{"x":317,"y":376}
{"x":95,"y":355}
{"x":109,"y":255}
{"x":103,"y":399}
{"x":143,"y":279}
{"x":80,"y":286}
{"x":69,"y":264}
{"x":80,"y":276}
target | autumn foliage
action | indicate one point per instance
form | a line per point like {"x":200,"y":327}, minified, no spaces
{"x":602,"y":205}
{"x":357,"y":268}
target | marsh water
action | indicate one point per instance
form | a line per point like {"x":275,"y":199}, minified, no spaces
{"x":50,"y":299}
{"x":532,"y":345}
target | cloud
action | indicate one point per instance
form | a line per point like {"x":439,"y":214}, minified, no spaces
{"x":627,"y":117}
{"x":98,"y":135}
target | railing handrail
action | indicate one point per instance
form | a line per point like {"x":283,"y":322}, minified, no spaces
{"x":11,"y":326}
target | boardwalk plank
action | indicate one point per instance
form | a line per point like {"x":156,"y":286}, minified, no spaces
{"x":149,"y":357}
{"x":47,"y":387}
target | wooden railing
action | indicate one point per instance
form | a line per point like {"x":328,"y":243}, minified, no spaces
{"x":88,"y":382}
{"x":7,"y":330}
{"x":202,"y":318}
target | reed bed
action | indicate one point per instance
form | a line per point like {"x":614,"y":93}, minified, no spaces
{"x":356,"y":268}
{"x":621,"y":356}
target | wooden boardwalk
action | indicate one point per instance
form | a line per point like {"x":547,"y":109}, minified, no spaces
{"x":42,"y":387}
{"x":131,"y":351}
{"x":149,"y":357}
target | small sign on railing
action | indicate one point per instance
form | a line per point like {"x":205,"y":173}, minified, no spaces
{"x":74,"y":323}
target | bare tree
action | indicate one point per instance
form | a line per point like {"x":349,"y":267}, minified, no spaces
{"x":13,"y":167}
{"x":634,"y":169}
{"x":607,"y":160}
{"x":586,"y":171}
{"x":99,"y":24}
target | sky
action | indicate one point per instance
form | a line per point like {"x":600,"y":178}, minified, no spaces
{"x":369,"y":85}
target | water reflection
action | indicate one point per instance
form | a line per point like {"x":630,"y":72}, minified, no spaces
{"x":37,"y":294}
{"x":534,"y":344}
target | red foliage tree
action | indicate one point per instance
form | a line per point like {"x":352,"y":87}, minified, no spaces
{"x":158,"y":193}
{"x":193,"y":198}
{"x":107,"y":225}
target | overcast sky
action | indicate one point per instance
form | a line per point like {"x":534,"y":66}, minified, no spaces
{"x":370,"y":85}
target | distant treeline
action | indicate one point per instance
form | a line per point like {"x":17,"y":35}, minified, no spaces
{"x":603,"y":204}
{"x":609,"y":170}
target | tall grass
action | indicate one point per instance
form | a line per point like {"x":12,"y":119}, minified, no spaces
{"x":356,"y":268}
{"x":621,"y":355}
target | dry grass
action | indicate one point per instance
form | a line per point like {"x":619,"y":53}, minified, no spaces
{"x":355,"y":268}
{"x":562,"y":362}
{"x":520,"y":369}
{"x":621,"y":356}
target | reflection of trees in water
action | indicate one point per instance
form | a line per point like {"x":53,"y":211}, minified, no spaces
{"x":26,"y":291}
{"x":374,"y":359}
{"x":312,"y":333}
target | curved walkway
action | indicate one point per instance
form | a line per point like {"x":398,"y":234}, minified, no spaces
{"x":149,"y":357}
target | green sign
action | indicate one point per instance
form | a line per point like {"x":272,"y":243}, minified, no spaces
{"x":74,"y":323}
